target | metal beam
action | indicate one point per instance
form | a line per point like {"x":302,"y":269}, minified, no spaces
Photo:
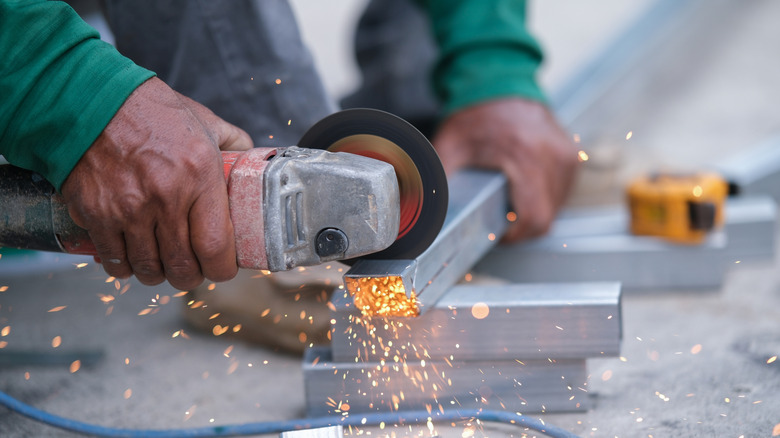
{"x":476,"y":220}
{"x":756,"y":170}
{"x":488,"y":322}
{"x":526,"y":386}
{"x":595,"y":245}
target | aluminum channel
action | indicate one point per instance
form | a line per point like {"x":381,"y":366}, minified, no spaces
{"x":756,"y":170}
{"x":475,"y":221}
{"x":523,"y":321}
{"x":514,"y":386}
{"x":599,"y":247}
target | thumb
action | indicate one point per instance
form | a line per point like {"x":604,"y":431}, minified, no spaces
{"x":231,"y":138}
{"x":228,"y":137}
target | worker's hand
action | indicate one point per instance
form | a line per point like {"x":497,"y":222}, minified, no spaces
{"x":522,"y":139}
{"x":151,"y":190}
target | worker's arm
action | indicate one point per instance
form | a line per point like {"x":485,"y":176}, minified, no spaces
{"x":495,"y":113}
{"x":138,"y":164}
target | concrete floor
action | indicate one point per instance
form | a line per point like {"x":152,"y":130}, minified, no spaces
{"x":694,"y":363}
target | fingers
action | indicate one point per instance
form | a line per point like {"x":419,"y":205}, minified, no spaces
{"x":143,"y":254}
{"x":212,"y":235}
{"x":110,"y":246}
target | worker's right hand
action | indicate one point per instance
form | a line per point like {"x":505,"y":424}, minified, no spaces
{"x":152,"y":194}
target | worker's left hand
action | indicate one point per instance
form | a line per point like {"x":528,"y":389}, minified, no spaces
{"x":522,"y":139}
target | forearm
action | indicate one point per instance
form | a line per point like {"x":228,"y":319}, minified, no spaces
{"x":60,"y":84}
{"x":486,"y":52}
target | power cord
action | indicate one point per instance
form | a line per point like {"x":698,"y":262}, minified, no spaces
{"x":275,"y":427}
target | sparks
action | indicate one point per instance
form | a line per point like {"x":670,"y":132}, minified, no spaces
{"x":629,"y":135}
{"x":583,"y":156}
{"x":56,"y":309}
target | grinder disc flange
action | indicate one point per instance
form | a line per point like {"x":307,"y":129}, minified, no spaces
{"x":421,"y":179}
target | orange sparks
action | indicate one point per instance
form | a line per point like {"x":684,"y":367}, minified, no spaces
{"x":582,"y":156}
{"x":128,"y":393}
{"x":56,"y":342}
{"x":696,"y":349}
{"x":106,"y":298}
{"x":606,"y":375}
{"x":511,"y":216}
{"x":5,"y":330}
{"x":75,"y":366}
{"x":3,"y":288}
{"x":278,"y":81}
{"x":382,"y":296}
{"x":480,"y":310}
{"x":3,"y":344}
{"x":27,"y":375}
{"x":211,"y":286}
{"x":771,"y":359}
{"x":491,"y":237}
{"x":56,"y":309}
{"x":776,"y":430}
{"x":180,"y":294}
{"x":219,"y":330}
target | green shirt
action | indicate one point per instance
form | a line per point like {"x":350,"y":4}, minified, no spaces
{"x":60,"y":85}
{"x":486,"y":51}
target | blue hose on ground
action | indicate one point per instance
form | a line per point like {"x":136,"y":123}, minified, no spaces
{"x":275,"y":427}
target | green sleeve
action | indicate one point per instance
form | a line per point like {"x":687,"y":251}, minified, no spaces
{"x":485,"y":51}
{"x":60,"y":86}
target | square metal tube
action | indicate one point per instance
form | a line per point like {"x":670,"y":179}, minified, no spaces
{"x":475,"y":221}
{"x":511,"y":385}
{"x":488,"y":322}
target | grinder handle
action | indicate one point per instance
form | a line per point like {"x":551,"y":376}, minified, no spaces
{"x":34,"y":216}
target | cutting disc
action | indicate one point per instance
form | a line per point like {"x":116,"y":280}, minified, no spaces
{"x":421,"y":179}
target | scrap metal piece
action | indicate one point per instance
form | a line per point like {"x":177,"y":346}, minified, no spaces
{"x":473,"y":322}
{"x":595,"y":245}
{"x":336,"y":388}
{"x":476,"y":219}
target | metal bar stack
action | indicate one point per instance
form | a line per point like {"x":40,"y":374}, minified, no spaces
{"x":520,"y":348}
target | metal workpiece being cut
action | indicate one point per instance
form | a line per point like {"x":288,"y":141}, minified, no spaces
{"x":476,"y":219}
{"x":380,"y":188}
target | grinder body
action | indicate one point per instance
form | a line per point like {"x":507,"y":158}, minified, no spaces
{"x":289,"y":207}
